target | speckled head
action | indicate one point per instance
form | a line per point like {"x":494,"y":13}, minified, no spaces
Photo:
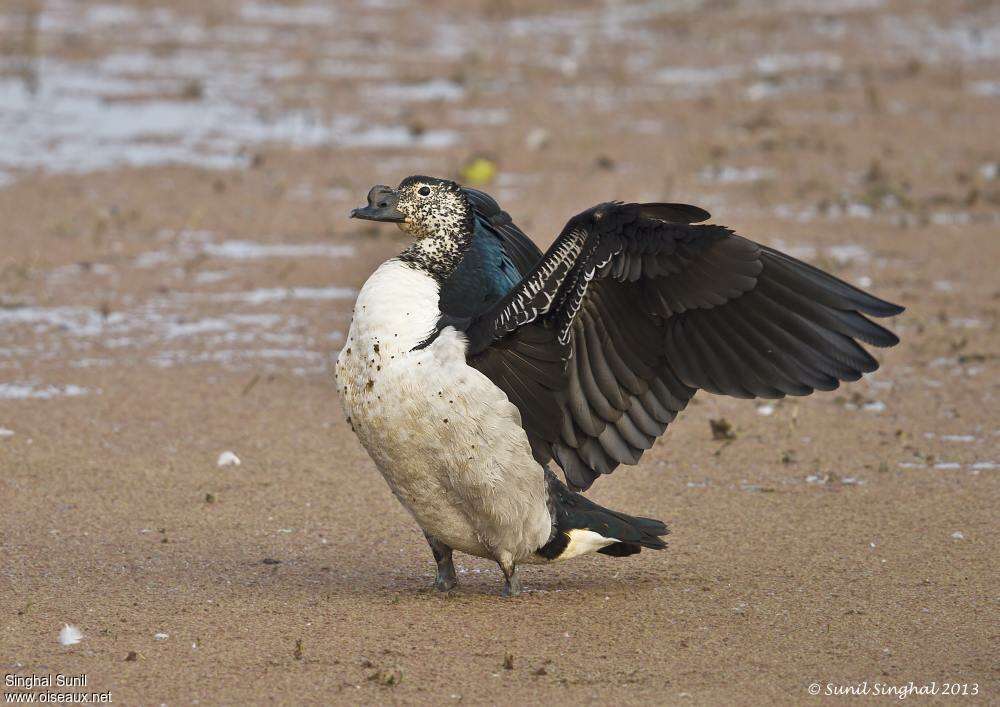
{"x":433,"y":208}
{"x":434,"y":211}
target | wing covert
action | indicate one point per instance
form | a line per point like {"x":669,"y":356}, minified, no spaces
{"x":630,"y":312}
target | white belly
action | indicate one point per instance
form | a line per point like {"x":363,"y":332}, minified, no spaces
{"x":447,"y":440}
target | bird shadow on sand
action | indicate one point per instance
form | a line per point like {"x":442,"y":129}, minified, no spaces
{"x":392,"y":574}
{"x":371,"y":577}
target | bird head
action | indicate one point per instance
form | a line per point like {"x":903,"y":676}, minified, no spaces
{"x":424,"y":207}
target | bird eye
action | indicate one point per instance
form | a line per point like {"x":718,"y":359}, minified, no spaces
{"x":424,"y":191}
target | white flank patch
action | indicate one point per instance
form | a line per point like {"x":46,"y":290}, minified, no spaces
{"x":583,"y":541}
{"x":70,"y":635}
{"x":228,"y":459}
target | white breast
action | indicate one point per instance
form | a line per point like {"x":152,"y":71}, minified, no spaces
{"x":446,"y":439}
{"x":396,"y":309}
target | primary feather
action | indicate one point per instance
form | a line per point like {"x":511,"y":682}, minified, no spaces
{"x":642,"y":310}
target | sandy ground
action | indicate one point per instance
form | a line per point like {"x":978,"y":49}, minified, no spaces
{"x":177,"y":271}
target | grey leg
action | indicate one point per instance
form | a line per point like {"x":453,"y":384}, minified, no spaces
{"x":446,"y":578}
{"x":512,"y":586}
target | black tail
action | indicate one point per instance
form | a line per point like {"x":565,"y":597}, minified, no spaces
{"x":572,"y":511}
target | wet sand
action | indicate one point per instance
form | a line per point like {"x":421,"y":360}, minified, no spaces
{"x":178,"y":270}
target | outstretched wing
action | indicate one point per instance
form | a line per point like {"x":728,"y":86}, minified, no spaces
{"x":630,"y":312}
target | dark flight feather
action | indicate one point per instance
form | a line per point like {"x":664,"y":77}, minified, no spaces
{"x":633,"y":309}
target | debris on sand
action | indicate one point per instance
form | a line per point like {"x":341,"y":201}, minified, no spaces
{"x":387,"y":677}
{"x":756,"y":488}
{"x":537,"y":139}
{"x":830,"y":479}
{"x":480,"y":171}
{"x":604,"y":162}
{"x":228,"y":459}
{"x":722,"y":429}
{"x":543,"y":669}
{"x":958,"y":535}
{"x":508,"y":661}
{"x":70,"y":635}
{"x":132,"y":656}
{"x":297,"y":653}
{"x":857,"y":401}
{"x":250,"y":385}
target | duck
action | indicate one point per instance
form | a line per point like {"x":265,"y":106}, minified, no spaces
{"x":475,"y":365}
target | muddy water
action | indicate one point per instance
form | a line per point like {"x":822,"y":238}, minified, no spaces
{"x":94,"y":86}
